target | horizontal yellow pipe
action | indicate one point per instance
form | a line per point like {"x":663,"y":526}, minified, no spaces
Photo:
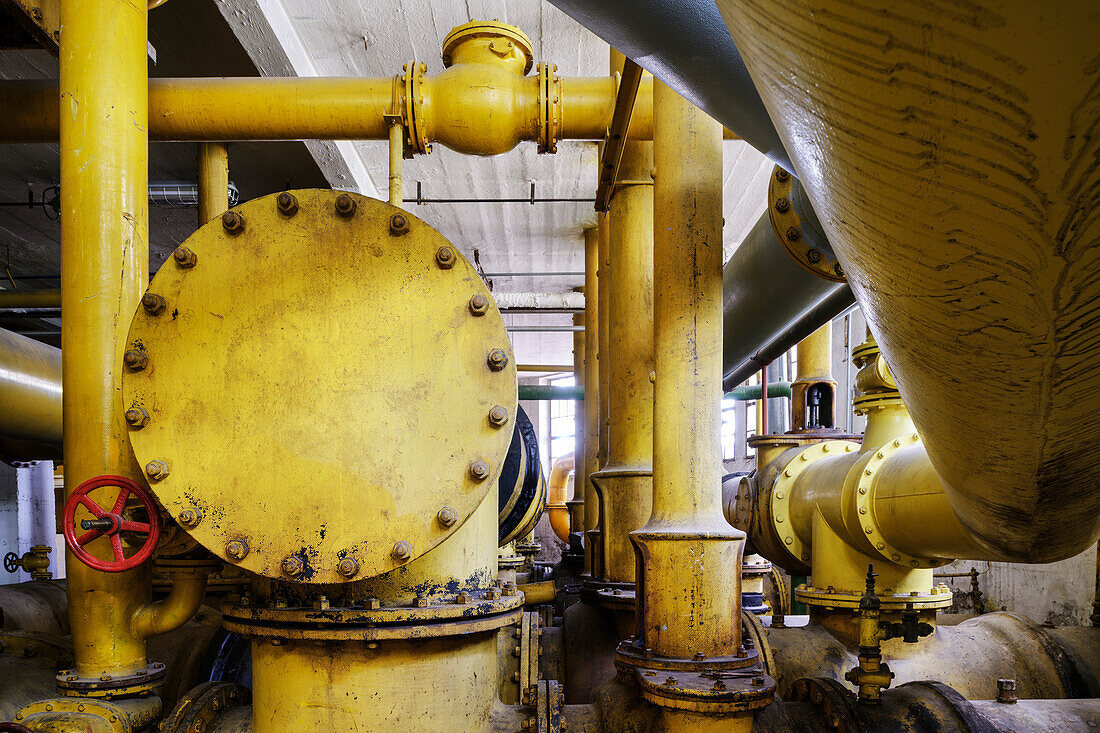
{"x":316,"y":108}
{"x":30,"y":299}
{"x":30,"y":389}
{"x":536,"y":594}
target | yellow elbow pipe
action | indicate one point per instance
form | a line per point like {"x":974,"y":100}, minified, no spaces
{"x":556,"y":496}
{"x":188,"y":590}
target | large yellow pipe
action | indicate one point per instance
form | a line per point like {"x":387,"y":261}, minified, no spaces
{"x":689,"y":600}
{"x":625,"y":480}
{"x":105,"y":259}
{"x":961,"y":141}
{"x":323,"y":108}
{"x":30,"y":389}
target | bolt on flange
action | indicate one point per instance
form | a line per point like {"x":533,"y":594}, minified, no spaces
{"x":157,"y":470}
{"x":445,"y":258}
{"x":189,"y":517}
{"x":447,"y":516}
{"x":497,"y":359}
{"x":236,"y":549}
{"x":136,"y":359}
{"x":232,"y":222}
{"x":399,"y":224}
{"x":184,"y":257}
{"x":479,"y":304}
{"x":345,"y":206}
{"x":137,"y":417}
{"x":401,"y":551}
{"x":153,"y":304}
{"x":479,"y":470}
{"x":286,"y":203}
{"x":293,"y":566}
{"x":348,"y":567}
{"x":498,"y":416}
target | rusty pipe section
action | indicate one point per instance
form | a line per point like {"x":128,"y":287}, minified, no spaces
{"x":30,"y":390}
{"x":962,"y":142}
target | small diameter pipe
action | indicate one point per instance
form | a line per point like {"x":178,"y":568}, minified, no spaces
{"x":397,"y":162}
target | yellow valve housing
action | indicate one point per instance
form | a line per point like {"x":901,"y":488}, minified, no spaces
{"x":319,"y":389}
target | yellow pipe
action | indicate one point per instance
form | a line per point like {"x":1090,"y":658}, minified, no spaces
{"x":593,"y":397}
{"x":104,"y":258}
{"x":815,"y":355}
{"x":603,"y":320}
{"x":625,"y":480}
{"x":985,"y":311}
{"x":323,"y":108}
{"x":397,"y":162}
{"x":544,"y":368}
{"x":30,"y":389}
{"x":188,"y":590}
{"x":689,"y":599}
{"x":30,"y":298}
{"x":580,"y":479}
{"x":536,"y":594}
{"x":213,"y":180}
{"x":556,"y":496}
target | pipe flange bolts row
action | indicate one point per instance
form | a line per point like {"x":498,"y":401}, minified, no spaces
{"x":787,"y":225}
{"x":865,"y":506}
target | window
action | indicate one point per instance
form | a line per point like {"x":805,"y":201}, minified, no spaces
{"x":750,"y":427}
{"x":729,"y":429}
{"x":562,"y":422}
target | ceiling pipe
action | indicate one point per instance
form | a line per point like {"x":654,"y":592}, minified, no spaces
{"x":685,"y":45}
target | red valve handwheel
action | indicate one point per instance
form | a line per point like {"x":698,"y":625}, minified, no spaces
{"x":118,"y":524}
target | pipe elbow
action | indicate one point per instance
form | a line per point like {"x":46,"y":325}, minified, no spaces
{"x":188,"y":590}
{"x":556,"y":496}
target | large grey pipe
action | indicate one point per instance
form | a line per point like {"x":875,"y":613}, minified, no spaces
{"x":685,"y":44}
{"x":767,"y":294}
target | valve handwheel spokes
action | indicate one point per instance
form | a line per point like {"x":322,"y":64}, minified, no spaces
{"x":12,"y":562}
{"x":110,"y":523}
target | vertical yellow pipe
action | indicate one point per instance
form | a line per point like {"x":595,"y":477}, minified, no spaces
{"x":104,"y":265}
{"x":689,"y":600}
{"x":625,"y":480}
{"x":397,"y":162}
{"x":580,"y":432}
{"x":213,"y":180}
{"x":815,"y":354}
{"x":593,"y":541}
{"x":589,"y":461}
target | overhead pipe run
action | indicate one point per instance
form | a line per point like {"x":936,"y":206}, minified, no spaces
{"x":30,"y":390}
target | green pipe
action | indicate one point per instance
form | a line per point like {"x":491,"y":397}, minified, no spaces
{"x":752,"y":392}
{"x":550,"y":392}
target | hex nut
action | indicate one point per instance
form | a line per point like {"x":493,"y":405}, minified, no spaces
{"x":348,"y":567}
{"x":157,"y":469}
{"x":236,"y":549}
{"x":401,"y":551}
{"x":372,"y":604}
{"x":137,"y":417}
{"x":794,"y":234}
{"x":813,"y":255}
{"x":782,"y":175}
{"x":463,"y":598}
{"x":479,"y":470}
{"x":399,"y":224}
{"x":497,"y":359}
{"x":184,"y":257}
{"x":498,"y":416}
{"x":286,"y":203}
{"x":190,"y":517}
{"x":136,"y":359}
{"x":153,"y":304}
{"x":445,"y":258}
{"x":447,"y":516}
{"x":345,"y":206}
{"x":293,"y":566}
{"x":510,"y":589}
{"x":479,"y":304}
{"x":232,"y":222}
{"x":493,"y":594}
{"x":422,"y":601}
{"x":782,"y":205}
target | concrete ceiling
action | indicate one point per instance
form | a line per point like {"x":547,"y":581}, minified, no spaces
{"x":373,"y":39}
